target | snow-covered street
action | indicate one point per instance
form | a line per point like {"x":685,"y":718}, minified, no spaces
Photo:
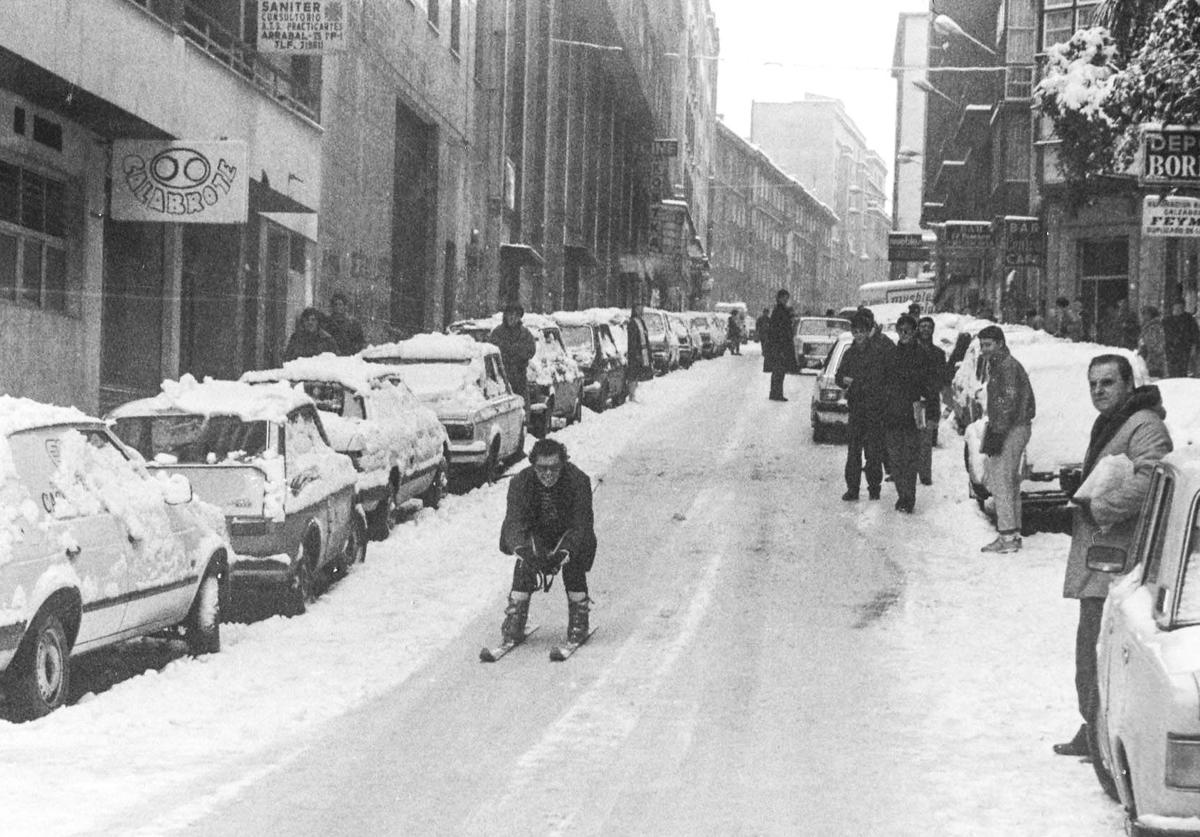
{"x":769,"y":660}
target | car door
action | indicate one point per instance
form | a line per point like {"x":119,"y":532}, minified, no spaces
{"x":509,"y":414}
{"x":74,"y":529}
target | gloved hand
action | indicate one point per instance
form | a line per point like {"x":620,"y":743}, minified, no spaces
{"x":561,"y":557}
{"x":526,"y":553}
{"x":993,"y":443}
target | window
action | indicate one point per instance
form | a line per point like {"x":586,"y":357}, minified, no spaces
{"x":33,"y":226}
{"x":1148,"y":540}
{"x":1062,"y":18}
{"x":434,"y":16}
{"x":455,"y":24}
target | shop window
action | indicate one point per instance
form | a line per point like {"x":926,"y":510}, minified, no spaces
{"x":33,"y":259}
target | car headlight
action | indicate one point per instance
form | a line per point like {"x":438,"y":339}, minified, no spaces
{"x":1183,"y":762}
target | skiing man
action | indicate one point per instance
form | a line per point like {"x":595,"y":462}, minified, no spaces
{"x":549,"y":526}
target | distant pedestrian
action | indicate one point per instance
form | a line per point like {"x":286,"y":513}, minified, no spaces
{"x":1181,"y":336}
{"x":1079,"y":322}
{"x":549,"y":525}
{"x":1057,"y":324}
{"x":345,"y":330}
{"x":936,"y":360}
{"x":779,"y":353}
{"x":1108,"y":326}
{"x":1130,"y":424}
{"x":1131,"y":329}
{"x":733,"y":332}
{"x":762,"y":324}
{"x":1153,"y":343}
{"x":517,"y":347}
{"x":640,"y":365}
{"x":909,"y":385}
{"x":914,"y":310}
{"x":1010,"y":411}
{"x":309,"y":339}
{"x":863,"y":375}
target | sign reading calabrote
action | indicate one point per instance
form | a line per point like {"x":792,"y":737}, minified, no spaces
{"x":1170,"y":217}
{"x":1170,"y":156}
{"x":177,"y":181}
{"x":301,"y":26}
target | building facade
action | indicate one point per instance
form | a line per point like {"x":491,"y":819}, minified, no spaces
{"x":769,"y":232}
{"x":816,"y":142}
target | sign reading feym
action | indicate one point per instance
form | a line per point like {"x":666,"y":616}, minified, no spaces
{"x":176,"y":181}
{"x":301,"y":26}
{"x":1172,"y":217}
{"x":1170,"y":156}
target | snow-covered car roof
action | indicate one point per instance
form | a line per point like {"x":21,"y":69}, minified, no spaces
{"x":579,"y":318}
{"x":530,"y":320}
{"x":249,"y":402}
{"x":18,"y":414}
{"x":614,"y":316}
{"x":354,"y":373}
{"x":432,"y":347}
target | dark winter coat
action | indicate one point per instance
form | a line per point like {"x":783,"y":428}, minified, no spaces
{"x":1136,"y":430}
{"x":1181,"y":335}
{"x":517,"y":347}
{"x":1010,"y":400}
{"x":762,"y":325}
{"x":308,"y":344}
{"x":935,"y":359}
{"x":347,"y":333}
{"x":637,"y":355}
{"x":909,"y":380}
{"x":866,"y":364}
{"x":779,"y":353}
{"x":546,"y":518}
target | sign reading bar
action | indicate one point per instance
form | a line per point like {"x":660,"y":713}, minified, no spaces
{"x":301,"y":26}
{"x":1021,"y":240}
{"x":967,"y":237}
{"x":1170,"y":157}
{"x":907,"y":247}
{"x":177,"y":181}
{"x":1172,"y":217}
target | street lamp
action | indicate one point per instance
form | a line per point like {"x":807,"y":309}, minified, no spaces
{"x":946,"y":25}
{"x":923,"y":85}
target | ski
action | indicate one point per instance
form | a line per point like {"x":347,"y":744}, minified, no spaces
{"x":490,"y":655}
{"x":560,"y":652}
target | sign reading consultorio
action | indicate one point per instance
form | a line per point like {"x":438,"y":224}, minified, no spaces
{"x":301,"y":26}
{"x":177,"y":181}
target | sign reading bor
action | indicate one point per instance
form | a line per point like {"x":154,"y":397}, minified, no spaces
{"x":178,"y":181}
{"x":1170,"y":156}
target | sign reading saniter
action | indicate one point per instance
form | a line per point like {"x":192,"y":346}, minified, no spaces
{"x":301,"y":26}
{"x":176,"y":181}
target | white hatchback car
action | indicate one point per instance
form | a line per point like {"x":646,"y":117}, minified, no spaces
{"x":1146,"y":730}
{"x":93,"y":550}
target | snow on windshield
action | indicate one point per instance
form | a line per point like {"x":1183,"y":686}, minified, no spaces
{"x":261,"y":402}
{"x":190,"y":439}
{"x":446,"y":387}
{"x":428,"y":347}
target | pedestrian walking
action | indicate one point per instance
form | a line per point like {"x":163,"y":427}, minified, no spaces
{"x":863,"y":375}
{"x":908,"y":386}
{"x":935,"y":359}
{"x":309,"y":339}
{"x":517,"y":347}
{"x":733,"y":333}
{"x":1011,"y":408}
{"x":343,"y":328}
{"x":1057,"y":324}
{"x":639,"y":363}
{"x":1079,"y":325}
{"x":549,"y":526}
{"x":1152,"y":345}
{"x":1130,"y":424}
{"x":779,"y":354}
{"x":1181,"y":336}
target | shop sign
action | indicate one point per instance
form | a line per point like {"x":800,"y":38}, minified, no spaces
{"x":177,"y":181}
{"x":1170,"y":156}
{"x":966,"y":238}
{"x":1021,"y":241}
{"x":1172,"y":217}
{"x":304,"y":27}
{"x":666,"y":229}
{"x":907,"y":247}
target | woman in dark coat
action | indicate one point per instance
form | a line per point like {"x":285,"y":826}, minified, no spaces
{"x":779,"y":355}
{"x":638,"y":362}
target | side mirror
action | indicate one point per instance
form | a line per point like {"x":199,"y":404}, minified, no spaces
{"x":1106,"y":559}
{"x":177,"y":490}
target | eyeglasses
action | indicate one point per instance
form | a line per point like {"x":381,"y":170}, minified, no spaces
{"x":548,"y":470}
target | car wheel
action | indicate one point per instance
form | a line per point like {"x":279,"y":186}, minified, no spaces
{"x":383,"y":516}
{"x":1103,"y":776}
{"x":303,"y":589}
{"x":432,"y":498}
{"x":820,"y":434}
{"x":519,"y":452}
{"x":354,"y":551}
{"x":542,"y":421}
{"x":42,"y":670}
{"x":202,"y":630}
{"x":491,"y":466}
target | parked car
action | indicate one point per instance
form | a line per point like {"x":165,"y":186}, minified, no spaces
{"x":1057,"y":369}
{"x":720,"y":328}
{"x":700,"y":323}
{"x":93,"y":550}
{"x":260,"y":453}
{"x":462,"y":380}
{"x":814,"y":337}
{"x":397,"y":444}
{"x":829,"y":412}
{"x":555,"y":380}
{"x":1145,"y":732}
{"x":589,"y":339}
{"x":664,"y":344}
{"x":688,"y":338}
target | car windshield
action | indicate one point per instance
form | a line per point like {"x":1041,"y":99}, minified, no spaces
{"x":828,"y":326}
{"x":193,"y":439}
{"x":329,"y":397}
{"x":577,"y":337}
{"x":434,"y":381}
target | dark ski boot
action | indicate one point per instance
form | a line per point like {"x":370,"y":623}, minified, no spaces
{"x":515,"y":617}
{"x":577,"y":620}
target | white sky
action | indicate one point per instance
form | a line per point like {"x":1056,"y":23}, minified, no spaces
{"x":839,"y":48}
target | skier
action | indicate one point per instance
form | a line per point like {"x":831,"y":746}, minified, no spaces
{"x":549,"y":526}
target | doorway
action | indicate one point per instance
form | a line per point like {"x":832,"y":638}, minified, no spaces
{"x":414,"y":202}
{"x":131,"y":330}
{"x":1103,"y":277}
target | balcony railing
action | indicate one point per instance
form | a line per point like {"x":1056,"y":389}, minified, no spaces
{"x":216,"y":39}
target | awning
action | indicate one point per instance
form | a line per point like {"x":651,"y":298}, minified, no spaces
{"x":522,"y":255}
{"x":265,"y":199}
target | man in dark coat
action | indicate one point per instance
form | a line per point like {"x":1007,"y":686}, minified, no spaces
{"x":863,"y":374}
{"x":639,"y":364}
{"x":779,"y":354}
{"x":908,"y":386}
{"x":1130,"y":424}
{"x":936,"y":360}
{"x":309,"y":340}
{"x":517,"y":347}
{"x":1181,"y":335}
{"x":343,"y":328}
{"x":549,"y":525}
{"x":762,"y":324}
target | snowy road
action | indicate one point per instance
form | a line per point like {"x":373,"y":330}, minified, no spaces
{"x":769,"y":661}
